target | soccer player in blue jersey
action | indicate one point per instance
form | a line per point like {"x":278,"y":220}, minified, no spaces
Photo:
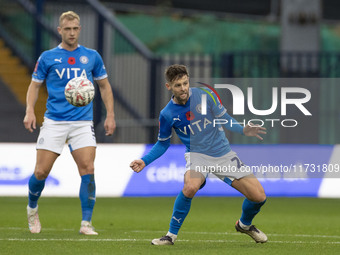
{"x":65,"y":122}
{"x":207,"y":148}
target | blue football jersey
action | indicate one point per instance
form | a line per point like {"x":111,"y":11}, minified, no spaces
{"x":57,"y":66}
{"x":196,"y":131}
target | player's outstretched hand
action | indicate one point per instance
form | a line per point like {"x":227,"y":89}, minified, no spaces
{"x":137,"y":165}
{"x":254,"y":130}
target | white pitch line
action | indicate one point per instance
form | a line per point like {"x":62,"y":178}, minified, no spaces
{"x":184,"y":232}
{"x":148,"y":240}
{"x":49,"y":229}
{"x":228,"y":233}
{"x":72,"y":240}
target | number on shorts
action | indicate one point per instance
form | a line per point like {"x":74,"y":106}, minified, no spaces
{"x":238,"y":161}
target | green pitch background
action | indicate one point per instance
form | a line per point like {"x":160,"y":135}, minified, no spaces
{"x":127,"y":225}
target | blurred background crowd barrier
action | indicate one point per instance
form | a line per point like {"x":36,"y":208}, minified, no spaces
{"x":138,"y":39}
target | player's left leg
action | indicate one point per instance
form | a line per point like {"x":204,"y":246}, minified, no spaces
{"x":84,"y":158}
{"x":252,"y":189}
{"x":82,"y":143}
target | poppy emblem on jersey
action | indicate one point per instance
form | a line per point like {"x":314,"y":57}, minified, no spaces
{"x":84,"y":60}
{"x":71,"y":60}
{"x":190,"y":115}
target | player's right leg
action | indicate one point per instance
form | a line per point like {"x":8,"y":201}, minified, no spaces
{"x":36,"y":184}
{"x":50,"y":144}
{"x":192,"y":183}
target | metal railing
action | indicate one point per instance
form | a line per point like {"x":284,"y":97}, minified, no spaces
{"x":136,"y":74}
{"x":31,"y":29}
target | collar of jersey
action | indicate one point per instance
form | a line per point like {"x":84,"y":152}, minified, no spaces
{"x":59,"y":46}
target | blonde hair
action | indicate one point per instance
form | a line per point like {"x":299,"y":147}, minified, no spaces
{"x":70,"y":15}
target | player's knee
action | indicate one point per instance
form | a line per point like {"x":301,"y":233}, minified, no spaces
{"x":86,"y":169}
{"x":262,"y":197}
{"x":40,"y":174}
{"x":190,"y":189}
{"x":259,"y":196}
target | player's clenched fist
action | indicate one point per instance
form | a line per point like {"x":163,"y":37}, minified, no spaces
{"x":137,"y":165}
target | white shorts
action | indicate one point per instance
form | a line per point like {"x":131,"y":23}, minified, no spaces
{"x":53,"y":135}
{"x":227,"y":167}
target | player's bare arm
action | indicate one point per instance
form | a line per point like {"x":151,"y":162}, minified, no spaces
{"x":107,"y":97}
{"x":254,"y":130}
{"x":137,"y":165}
{"x":31,"y":99}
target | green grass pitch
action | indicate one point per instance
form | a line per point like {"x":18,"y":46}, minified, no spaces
{"x":127,"y":225}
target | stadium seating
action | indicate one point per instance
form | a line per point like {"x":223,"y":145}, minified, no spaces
{"x":17,"y":77}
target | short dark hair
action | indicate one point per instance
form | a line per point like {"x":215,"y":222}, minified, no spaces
{"x":174,"y":72}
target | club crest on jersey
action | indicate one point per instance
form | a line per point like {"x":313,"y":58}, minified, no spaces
{"x":84,"y":60}
{"x":199,"y":108}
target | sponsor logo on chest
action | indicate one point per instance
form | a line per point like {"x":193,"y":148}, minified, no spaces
{"x":71,"y":72}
